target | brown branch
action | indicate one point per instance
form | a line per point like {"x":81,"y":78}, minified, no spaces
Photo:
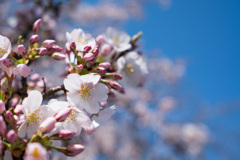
{"x":54,"y":90}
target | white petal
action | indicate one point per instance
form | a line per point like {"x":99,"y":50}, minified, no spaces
{"x":73,"y":82}
{"x":75,"y":99}
{"x":91,"y":78}
{"x":32,"y":130}
{"x":34,"y":100}
{"x":100,"y":92}
{"x":91,"y":106}
{"x":58,"y":105}
{"x":22,"y":130}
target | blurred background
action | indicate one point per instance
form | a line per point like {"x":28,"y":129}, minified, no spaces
{"x":189,"y":107}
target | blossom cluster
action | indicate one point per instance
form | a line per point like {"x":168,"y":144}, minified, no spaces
{"x":96,"y":69}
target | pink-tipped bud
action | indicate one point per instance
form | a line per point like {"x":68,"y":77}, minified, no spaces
{"x":8,"y":62}
{"x":48,"y":43}
{"x":2,"y":107}
{"x":62,"y":114}
{"x":105,"y":50}
{"x":101,"y":70}
{"x":57,"y":48}
{"x":37,"y":24}
{"x":114,"y":76}
{"x":47,"y":125}
{"x":18,"y":109}
{"x":80,"y":67}
{"x":14,"y":101}
{"x":34,"y":38}
{"x":12,"y":136}
{"x":65,"y":135}
{"x":42,"y":51}
{"x":96,"y":51}
{"x":103,"y":104}
{"x":21,"y":49}
{"x":22,"y":70}
{"x":105,"y":65}
{"x":73,"y":46}
{"x":116,"y":86}
{"x":67,"y":48}
{"x":87,"y":49}
{"x":35,"y":77}
{"x":88,"y":57}
{"x":3,"y":128}
{"x":58,"y":56}
{"x":100,"y":39}
{"x":111,"y":94}
{"x":73,"y":150}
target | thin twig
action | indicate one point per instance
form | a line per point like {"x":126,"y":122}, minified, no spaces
{"x":54,"y":90}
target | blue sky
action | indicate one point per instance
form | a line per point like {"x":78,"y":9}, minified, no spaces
{"x":206,"y":34}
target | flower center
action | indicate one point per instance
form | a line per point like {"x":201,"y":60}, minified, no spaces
{"x":86,"y":92}
{"x":34,"y":118}
{"x":35,"y":153}
{"x":3,"y":50}
{"x":81,"y":40}
{"x":116,"y":41}
{"x":72,"y":117}
{"x":129,"y":68}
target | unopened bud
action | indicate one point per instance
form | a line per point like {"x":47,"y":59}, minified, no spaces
{"x":48,"y":43}
{"x":62,"y":114}
{"x":2,"y":107}
{"x":57,"y":48}
{"x":22,"y":70}
{"x":88,"y":57}
{"x":73,"y":150}
{"x":95,"y":51}
{"x":42,"y":51}
{"x":67,"y":48}
{"x":105,"y":65}
{"x":100,"y":39}
{"x":73,"y":46}
{"x":80,"y":67}
{"x":116,"y":86}
{"x":18,"y":109}
{"x":3,"y":128}
{"x":111,"y":94}
{"x":101,"y":70}
{"x":105,"y":50}
{"x":14,"y":101}
{"x":12,"y":136}
{"x":9,"y":117}
{"x":34,"y":38}
{"x":37,"y":24}
{"x":58,"y":56}
{"x":114,"y":76}
{"x":65,"y":135}
{"x":47,"y":125}
{"x":35,"y":77}
{"x":21,"y":49}
{"x":87,"y":49}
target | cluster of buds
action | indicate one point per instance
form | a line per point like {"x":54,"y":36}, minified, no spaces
{"x":95,"y":70}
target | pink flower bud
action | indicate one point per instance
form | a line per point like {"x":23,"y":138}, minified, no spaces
{"x":31,"y":84}
{"x":42,"y":51}
{"x":57,"y":48}
{"x":88,"y":57}
{"x":115,"y":76}
{"x":65,"y":135}
{"x":73,"y":46}
{"x":103,"y":104}
{"x":80,"y":67}
{"x":34,"y":38}
{"x":95,"y":51}
{"x":21,"y":49}
{"x":18,"y":109}
{"x":2,"y":107}
{"x":105,"y":50}
{"x":105,"y":65}
{"x":8,"y":62}
{"x":73,"y":150}
{"x":22,"y":70}
{"x":101,"y":70}
{"x":14,"y":101}
{"x":87,"y":49}
{"x":47,"y":125}
{"x":62,"y":114}
{"x":35,"y":77}
{"x":37,"y":24}
{"x":116,"y":86}
{"x":100,"y":39}
{"x":48,"y":43}
{"x":3,"y":128}
{"x":12,"y":136}
{"x":58,"y":56}
{"x":67,"y":48}
{"x":111,"y":94}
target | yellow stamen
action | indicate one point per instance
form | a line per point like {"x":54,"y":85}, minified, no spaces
{"x":86,"y":92}
{"x":35,"y":153}
{"x":34,"y":118}
{"x":130,"y":68}
{"x":116,"y":41}
{"x":72,"y":117}
{"x":81,"y":40}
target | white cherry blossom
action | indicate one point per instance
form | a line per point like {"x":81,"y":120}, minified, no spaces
{"x":81,"y":39}
{"x":133,"y":68}
{"x":34,"y":112}
{"x":85,"y":91}
{"x":5,"y":47}
{"x":76,"y":121}
{"x":35,"y":151}
{"x":119,"y":40}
